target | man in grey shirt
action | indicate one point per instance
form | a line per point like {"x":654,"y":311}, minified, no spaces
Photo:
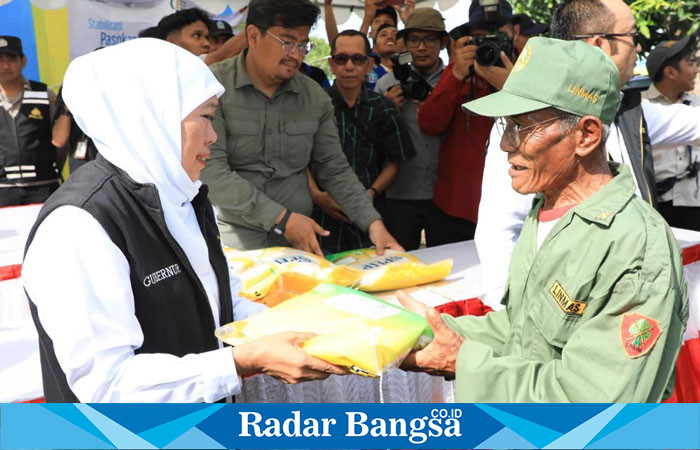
{"x":272,"y":123}
{"x":409,"y":206}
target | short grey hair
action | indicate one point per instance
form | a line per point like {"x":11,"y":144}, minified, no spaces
{"x":568,"y":122}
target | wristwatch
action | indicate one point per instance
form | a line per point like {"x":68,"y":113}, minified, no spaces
{"x":280,"y":227}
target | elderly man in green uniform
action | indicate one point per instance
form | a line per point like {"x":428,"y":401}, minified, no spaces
{"x":596,"y":302}
{"x":272,"y":123}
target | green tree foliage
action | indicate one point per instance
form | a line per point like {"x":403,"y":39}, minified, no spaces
{"x":657,"y":20}
{"x":319,"y":56}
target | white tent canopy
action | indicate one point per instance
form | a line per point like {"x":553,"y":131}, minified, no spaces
{"x":341,"y":8}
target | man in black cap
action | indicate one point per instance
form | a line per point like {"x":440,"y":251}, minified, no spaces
{"x":528,"y":28}
{"x":219,"y":32}
{"x":672,"y":67}
{"x":28,"y":167}
{"x":462,"y":151}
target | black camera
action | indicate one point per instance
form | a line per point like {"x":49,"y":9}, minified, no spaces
{"x":491,"y":44}
{"x":412,"y":83}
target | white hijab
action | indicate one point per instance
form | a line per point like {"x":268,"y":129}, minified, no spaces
{"x":131,"y":99}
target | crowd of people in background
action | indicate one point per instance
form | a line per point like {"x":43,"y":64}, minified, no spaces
{"x":412,"y":156}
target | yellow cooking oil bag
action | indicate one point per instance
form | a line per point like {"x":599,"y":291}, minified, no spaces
{"x":257,"y":278}
{"x":393,"y":270}
{"x":273,"y":275}
{"x":291,"y":260}
{"x":355,"y":330}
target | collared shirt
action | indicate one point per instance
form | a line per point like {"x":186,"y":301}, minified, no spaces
{"x":608,"y":268}
{"x":371,"y":133}
{"x":258,"y":163}
{"x":416,"y":179}
{"x":674,"y":162}
{"x":12,"y":105}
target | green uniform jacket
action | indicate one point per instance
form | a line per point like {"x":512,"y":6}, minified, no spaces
{"x":568,"y":309}
{"x":258,"y":163}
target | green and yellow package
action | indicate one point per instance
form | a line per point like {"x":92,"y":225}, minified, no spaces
{"x":392,"y":270}
{"x":355,"y":330}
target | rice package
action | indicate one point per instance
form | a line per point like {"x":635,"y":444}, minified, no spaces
{"x":355,"y":330}
{"x":393,"y":270}
{"x":273,"y":275}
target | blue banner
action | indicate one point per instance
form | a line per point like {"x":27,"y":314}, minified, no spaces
{"x":337,"y":426}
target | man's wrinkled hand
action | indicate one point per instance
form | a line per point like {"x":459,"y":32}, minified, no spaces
{"x":495,"y":75}
{"x":381,"y":238}
{"x":440,"y":356}
{"x":280,"y":356}
{"x":301,"y":232}
{"x":324,"y":201}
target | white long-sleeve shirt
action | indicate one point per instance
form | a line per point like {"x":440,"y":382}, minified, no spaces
{"x":672,"y":163}
{"x":79,"y":281}
{"x":502,"y":211}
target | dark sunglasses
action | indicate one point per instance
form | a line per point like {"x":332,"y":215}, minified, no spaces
{"x":342,"y":59}
{"x":635,"y":35}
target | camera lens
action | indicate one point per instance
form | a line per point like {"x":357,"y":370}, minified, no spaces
{"x":488,"y":53}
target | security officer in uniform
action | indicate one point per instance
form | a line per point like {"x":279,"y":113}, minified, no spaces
{"x":673,"y":68}
{"x":596,"y":302}
{"x":28,"y":166}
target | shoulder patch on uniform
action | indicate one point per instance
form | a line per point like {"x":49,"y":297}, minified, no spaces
{"x":638,"y":334}
{"x":565,"y":302}
{"x":36,"y":114}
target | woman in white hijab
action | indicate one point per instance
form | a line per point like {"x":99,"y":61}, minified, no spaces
{"x":124,"y":268}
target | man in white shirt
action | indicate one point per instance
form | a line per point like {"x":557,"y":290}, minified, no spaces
{"x":672,"y":66}
{"x":609,"y":25}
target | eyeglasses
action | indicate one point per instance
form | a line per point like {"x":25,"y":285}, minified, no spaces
{"x":635,"y":35}
{"x":342,"y":58}
{"x":513,"y":130}
{"x":428,"y":41}
{"x":289,"y":47}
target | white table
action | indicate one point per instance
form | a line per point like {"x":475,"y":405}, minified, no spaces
{"x":20,"y":373}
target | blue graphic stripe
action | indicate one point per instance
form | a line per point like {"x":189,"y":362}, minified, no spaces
{"x":289,"y":426}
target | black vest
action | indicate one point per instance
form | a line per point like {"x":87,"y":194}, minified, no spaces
{"x":26,"y":152}
{"x":633,"y":127}
{"x":170,"y":302}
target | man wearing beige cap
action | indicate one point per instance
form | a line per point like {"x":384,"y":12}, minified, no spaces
{"x":672,"y":66}
{"x":409,"y":206}
{"x":596,"y":302}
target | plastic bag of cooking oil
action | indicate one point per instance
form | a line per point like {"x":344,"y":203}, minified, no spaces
{"x":273,"y":275}
{"x":355,"y":330}
{"x":393,"y":270}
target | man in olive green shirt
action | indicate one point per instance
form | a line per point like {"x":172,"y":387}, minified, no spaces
{"x":596,"y":302}
{"x":272,"y":123}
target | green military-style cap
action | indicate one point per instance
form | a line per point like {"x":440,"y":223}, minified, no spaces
{"x":569,"y":75}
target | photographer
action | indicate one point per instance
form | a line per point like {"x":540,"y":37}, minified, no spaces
{"x":481,"y":63}
{"x":409,"y":205}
